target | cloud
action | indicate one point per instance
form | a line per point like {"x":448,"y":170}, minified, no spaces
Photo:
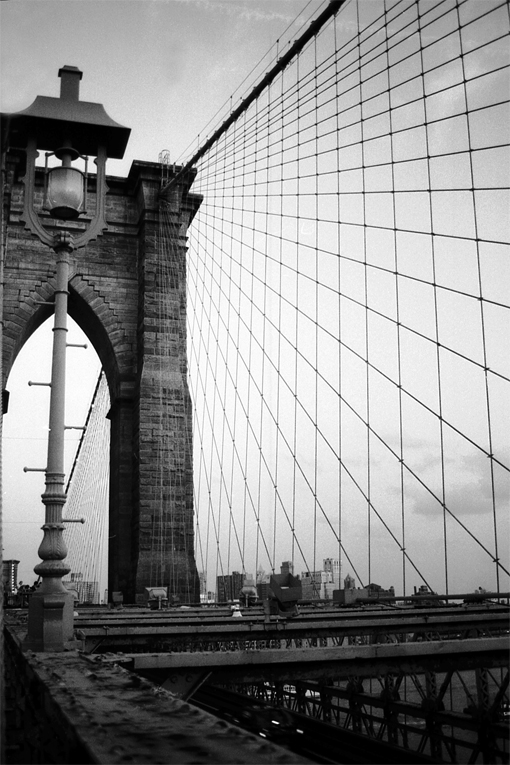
{"x":246,"y":11}
{"x":469,"y":488}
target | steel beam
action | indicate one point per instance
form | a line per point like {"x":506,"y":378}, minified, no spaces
{"x":113,"y":634}
{"x":331,"y":662}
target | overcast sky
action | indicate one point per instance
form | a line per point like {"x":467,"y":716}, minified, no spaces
{"x":163,"y":68}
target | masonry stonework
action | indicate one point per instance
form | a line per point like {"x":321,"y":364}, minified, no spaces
{"x":127,"y":292}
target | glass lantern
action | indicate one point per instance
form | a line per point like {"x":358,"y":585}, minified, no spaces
{"x":65,"y":186}
{"x":65,"y":193}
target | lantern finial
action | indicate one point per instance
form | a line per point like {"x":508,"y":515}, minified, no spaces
{"x":70,"y":77}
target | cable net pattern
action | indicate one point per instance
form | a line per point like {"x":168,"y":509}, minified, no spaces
{"x":87,"y":497}
{"x":348,"y":307}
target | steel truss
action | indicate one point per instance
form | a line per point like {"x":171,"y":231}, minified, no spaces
{"x":209,"y":631}
{"x":430,"y":680}
{"x":454,"y":716}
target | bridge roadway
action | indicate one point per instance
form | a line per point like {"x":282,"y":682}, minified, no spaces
{"x":174,"y":644}
{"x":69,"y":708}
{"x":185,"y":651}
{"x":194,"y":629}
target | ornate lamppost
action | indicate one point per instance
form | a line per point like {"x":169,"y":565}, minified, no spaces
{"x":69,"y":129}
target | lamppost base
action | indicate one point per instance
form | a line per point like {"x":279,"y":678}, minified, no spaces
{"x":50,"y":622}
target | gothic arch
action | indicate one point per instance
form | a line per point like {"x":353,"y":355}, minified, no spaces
{"x":91,"y":312}
{"x":115,"y":299}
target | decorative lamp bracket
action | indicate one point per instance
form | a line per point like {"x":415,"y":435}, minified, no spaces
{"x":98,"y":223}
{"x":52,"y":236}
{"x":29,"y":216}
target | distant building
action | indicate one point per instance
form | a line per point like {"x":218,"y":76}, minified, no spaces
{"x":202,"y":578}
{"x":320,"y":585}
{"x":315,"y":585}
{"x":312,"y":584}
{"x":350,"y":594}
{"x":332,"y":566}
{"x":229,"y":587}
{"x":10,"y":575}
{"x":263,"y":590}
{"x":206,"y":596}
{"x":262,"y":584}
{"x":332,"y":581}
{"x":375,"y":589}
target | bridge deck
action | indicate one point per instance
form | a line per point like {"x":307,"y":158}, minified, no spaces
{"x":166,"y":630}
{"x":309,"y":657}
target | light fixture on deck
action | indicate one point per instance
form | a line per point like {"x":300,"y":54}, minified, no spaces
{"x":70,"y":130}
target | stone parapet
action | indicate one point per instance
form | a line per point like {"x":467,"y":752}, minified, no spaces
{"x":67,"y":707}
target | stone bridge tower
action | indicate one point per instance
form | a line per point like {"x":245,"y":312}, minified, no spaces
{"x":127,"y":292}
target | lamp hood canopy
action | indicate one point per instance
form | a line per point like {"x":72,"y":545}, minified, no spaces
{"x":55,"y":121}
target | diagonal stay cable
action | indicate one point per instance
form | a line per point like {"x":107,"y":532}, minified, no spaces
{"x":381,"y":439}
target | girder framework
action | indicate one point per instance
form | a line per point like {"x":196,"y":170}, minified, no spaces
{"x":453,"y":716}
{"x":214,"y":630}
{"x":431,"y":680}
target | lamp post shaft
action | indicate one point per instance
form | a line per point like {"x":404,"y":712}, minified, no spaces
{"x":50,"y":617}
{"x":55,"y":463}
{"x":83,"y":129}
